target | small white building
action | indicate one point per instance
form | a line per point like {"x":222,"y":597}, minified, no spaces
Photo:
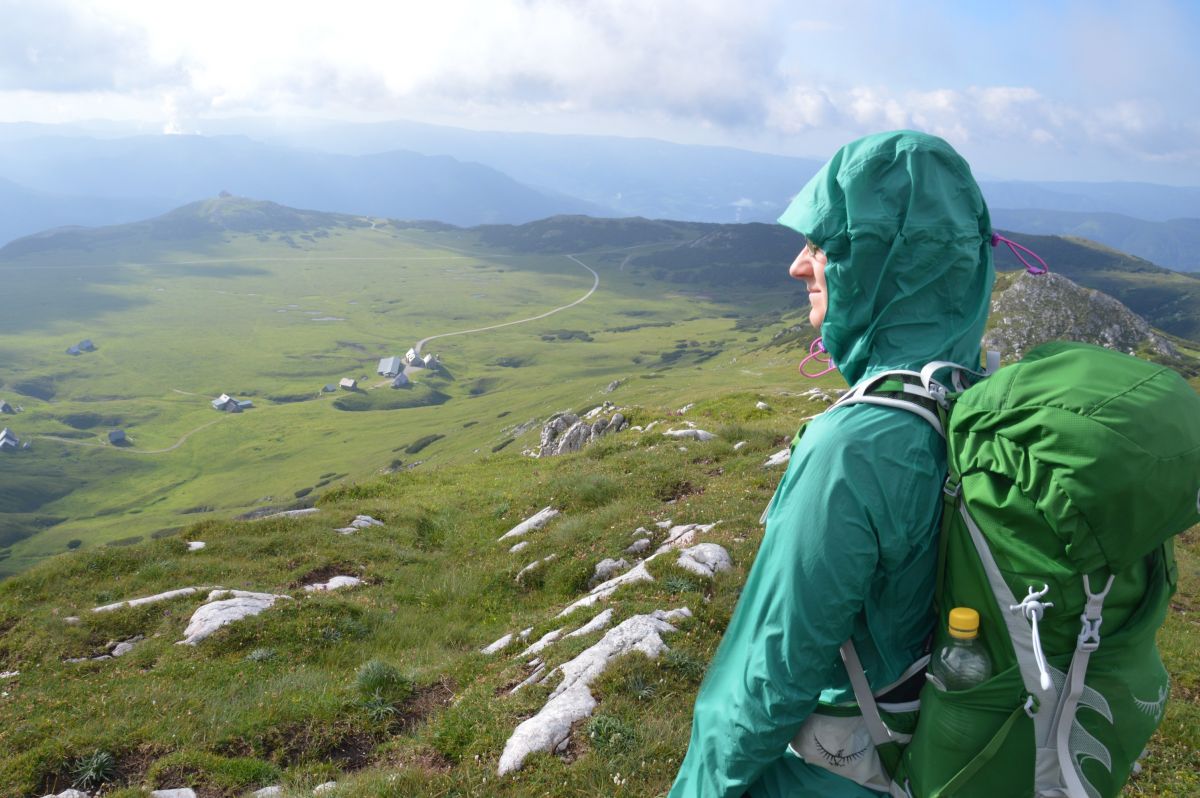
{"x":8,"y":439}
{"x":228,"y":404}
{"x":348,"y":384}
{"x":390,"y":366}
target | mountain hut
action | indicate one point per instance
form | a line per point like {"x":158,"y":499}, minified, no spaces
{"x":390,"y":366}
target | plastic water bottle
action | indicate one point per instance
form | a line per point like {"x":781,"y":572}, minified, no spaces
{"x":962,"y":663}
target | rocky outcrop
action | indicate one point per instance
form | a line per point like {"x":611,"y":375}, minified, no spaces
{"x":137,"y":602}
{"x":693,"y":434}
{"x":359,"y":522}
{"x":535,"y":521}
{"x":705,"y":559}
{"x":1035,"y":309}
{"x":225,"y":607}
{"x":336,"y":583}
{"x":572,"y":701}
{"x":567,"y":432}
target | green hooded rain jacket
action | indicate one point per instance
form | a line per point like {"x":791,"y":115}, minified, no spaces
{"x":850,"y":544}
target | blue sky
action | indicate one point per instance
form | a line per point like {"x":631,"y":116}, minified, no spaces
{"x":1096,"y":90}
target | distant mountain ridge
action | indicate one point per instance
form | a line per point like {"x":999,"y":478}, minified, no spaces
{"x":467,"y":177}
{"x":1174,"y":243}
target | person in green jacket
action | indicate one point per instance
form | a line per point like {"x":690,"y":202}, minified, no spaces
{"x":899,"y":270}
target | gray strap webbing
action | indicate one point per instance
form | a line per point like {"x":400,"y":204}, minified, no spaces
{"x":880,"y":733}
{"x":1087,"y":642}
{"x":859,"y":395}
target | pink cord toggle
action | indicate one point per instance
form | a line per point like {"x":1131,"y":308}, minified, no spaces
{"x":1014,"y":246}
{"x":817,"y":353}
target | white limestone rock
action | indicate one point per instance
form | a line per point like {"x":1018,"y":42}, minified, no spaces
{"x":667,"y":524}
{"x":346,"y":530}
{"x":542,"y":642}
{"x":535,"y":521}
{"x":364,"y":521}
{"x":196,"y":545}
{"x":9,"y":674}
{"x":68,"y":793}
{"x":538,"y":675}
{"x":572,"y":701}
{"x":737,"y":447}
{"x":274,"y":791}
{"x":601,"y":621}
{"x":321,"y":789}
{"x":178,"y":792}
{"x":292,"y":513}
{"x":682,"y":536}
{"x":638,"y":573}
{"x":336,"y":583}
{"x":125,"y":646}
{"x":533,"y":566}
{"x":606,"y":569}
{"x":498,"y":645}
{"x":693,"y":434}
{"x":779,"y":458}
{"x":638,"y":546}
{"x":761,"y":406}
{"x":524,"y":544}
{"x":170,"y":594}
{"x":225,"y":607}
{"x":685,"y":408}
{"x":705,"y":559}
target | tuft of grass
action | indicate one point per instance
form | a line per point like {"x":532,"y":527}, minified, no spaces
{"x":611,"y":735}
{"x":261,"y":655}
{"x":91,"y":771}
{"x":378,"y":681}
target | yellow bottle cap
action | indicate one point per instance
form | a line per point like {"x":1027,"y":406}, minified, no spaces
{"x":964,"y":623}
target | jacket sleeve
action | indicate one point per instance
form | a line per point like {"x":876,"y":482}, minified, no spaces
{"x":807,"y":586}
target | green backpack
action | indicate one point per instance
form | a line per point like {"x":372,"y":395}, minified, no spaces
{"x":1069,"y":474}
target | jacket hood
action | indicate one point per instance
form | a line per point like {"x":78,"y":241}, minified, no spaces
{"x":907,"y":236}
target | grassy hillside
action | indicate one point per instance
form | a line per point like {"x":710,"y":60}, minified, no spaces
{"x":271,"y":304}
{"x":383,"y":687}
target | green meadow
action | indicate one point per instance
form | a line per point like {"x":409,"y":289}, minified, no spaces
{"x":274,"y":317}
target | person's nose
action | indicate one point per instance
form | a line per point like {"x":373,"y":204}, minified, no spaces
{"x":801,"y":268}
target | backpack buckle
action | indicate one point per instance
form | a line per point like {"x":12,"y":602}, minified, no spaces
{"x":1089,"y":635}
{"x":951,"y":488}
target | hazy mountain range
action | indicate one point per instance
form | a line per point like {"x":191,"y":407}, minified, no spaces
{"x":70,"y":176}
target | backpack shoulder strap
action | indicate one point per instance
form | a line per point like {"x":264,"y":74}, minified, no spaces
{"x":900,"y":389}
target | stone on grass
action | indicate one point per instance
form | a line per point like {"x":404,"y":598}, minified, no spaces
{"x":686,"y":408}
{"x":667,"y":524}
{"x":274,"y":791}
{"x":572,"y":701}
{"x":364,"y":521}
{"x":346,"y":530}
{"x":496,"y":646}
{"x":705,"y":559}
{"x":539,"y":673}
{"x":779,"y":458}
{"x":606,"y":569}
{"x":533,"y":565}
{"x":196,"y":545}
{"x":125,"y":646}
{"x":525,"y":633}
{"x":9,"y":674}
{"x":321,"y":789}
{"x":524,"y":544}
{"x":737,"y":447}
{"x":68,"y":793}
{"x":638,"y":546}
{"x":601,"y":621}
{"x":225,"y":607}
{"x":292,"y":513}
{"x":694,"y":434}
{"x":638,"y":573}
{"x":682,"y":536}
{"x":336,"y":583}
{"x":170,"y":594}
{"x":178,"y":792}
{"x":535,"y":521}
{"x":761,"y":406}
{"x":543,"y":641}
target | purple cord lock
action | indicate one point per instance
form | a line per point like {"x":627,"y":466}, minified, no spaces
{"x":817,"y":353}
{"x":1017,"y":249}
